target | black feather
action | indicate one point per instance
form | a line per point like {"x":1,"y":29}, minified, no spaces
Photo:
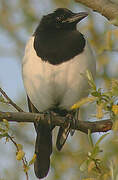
{"x":43,"y":146}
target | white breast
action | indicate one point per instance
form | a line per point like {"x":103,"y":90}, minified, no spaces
{"x":47,"y":85}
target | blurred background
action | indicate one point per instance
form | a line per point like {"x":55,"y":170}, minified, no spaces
{"x":18,"y":20}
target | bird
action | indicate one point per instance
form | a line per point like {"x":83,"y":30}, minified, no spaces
{"x":55,"y":62}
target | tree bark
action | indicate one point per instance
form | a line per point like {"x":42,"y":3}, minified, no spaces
{"x":107,"y":8}
{"x":96,"y":126}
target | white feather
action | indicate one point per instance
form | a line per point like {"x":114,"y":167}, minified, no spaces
{"x":47,"y":84}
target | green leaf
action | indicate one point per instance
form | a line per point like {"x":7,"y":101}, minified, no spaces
{"x":90,"y":138}
{"x":83,"y":166}
{"x":95,"y":93}
{"x":100,"y":139}
{"x":90,"y":80}
{"x":3,"y":135}
{"x":95,"y":152}
{"x":32,"y":160}
{"x":2,"y":99}
{"x":84,"y":101}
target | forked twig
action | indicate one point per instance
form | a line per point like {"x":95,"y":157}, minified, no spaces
{"x":10,"y":101}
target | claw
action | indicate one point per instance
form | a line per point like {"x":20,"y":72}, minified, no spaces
{"x":62,"y":136}
{"x":74,"y":120}
{"x":63,"y":133}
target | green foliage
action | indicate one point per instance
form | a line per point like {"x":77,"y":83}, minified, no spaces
{"x":92,"y":161}
{"x":105,"y":100}
{"x":4,"y":128}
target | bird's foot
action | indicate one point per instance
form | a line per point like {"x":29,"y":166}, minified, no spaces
{"x":70,"y":121}
{"x":73,"y":120}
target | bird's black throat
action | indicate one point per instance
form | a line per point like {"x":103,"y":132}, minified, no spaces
{"x":58,"y":46}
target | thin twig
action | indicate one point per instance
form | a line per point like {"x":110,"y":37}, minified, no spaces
{"x":11,"y":138}
{"x":23,"y":158}
{"x":10,"y":101}
{"x":24,"y":163}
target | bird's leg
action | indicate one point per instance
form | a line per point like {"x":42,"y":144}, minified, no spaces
{"x":73,"y":116}
{"x":48,"y":115}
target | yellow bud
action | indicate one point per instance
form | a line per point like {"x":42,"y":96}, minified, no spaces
{"x":91,"y":166}
{"x":32,"y":160}
{"x":26,"y":168}
{"x":20,"y":155}
{"x":100,"y":113}
{"x":84,"y":101}
{"x":6,"y":123}
{"x":115,"y":126}
{"x":20,"y":147}
{"x":115,"y":109}
{"x":7,"y":139}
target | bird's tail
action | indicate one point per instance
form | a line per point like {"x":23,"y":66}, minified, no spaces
{"x":43,"y":150}
{"x":43,"y":146}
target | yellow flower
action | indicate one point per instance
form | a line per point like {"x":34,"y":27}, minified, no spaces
{"x":99,"y":113}
{"x":32,"y":160}
{"x":20,"y":154}
{"x":91,"y":166}
{"x":26,"y":168}
{"x":20,"y":147}
{"x":84,"y":101}
{"x":115,"y":125}
{"x":115,"y":109}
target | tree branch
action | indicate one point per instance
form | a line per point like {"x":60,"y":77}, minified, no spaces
{"x":105,"y":7}
{"x":96,"y":126}
{"x":10,"y":101}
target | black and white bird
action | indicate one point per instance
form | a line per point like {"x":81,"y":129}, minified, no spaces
{"x":54,"y":65}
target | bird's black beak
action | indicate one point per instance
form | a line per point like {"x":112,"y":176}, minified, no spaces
{"x":76,"y":17}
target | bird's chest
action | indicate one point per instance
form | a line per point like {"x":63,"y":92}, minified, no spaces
{"x":48,"y":85}
{"x":50,"y":81}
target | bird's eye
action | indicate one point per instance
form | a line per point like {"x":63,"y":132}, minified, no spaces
{"x":60,"y":18}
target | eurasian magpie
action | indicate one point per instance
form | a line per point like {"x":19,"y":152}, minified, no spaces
{"x":54,"y":66}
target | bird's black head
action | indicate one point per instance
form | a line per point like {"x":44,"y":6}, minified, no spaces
{"x":56,"y":39}
{"x":61,"y":19}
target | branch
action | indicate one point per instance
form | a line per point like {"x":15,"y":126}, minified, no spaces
{"x":105,"y":7}
{"x":96,"y":126}
{"x":10,"y":101}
